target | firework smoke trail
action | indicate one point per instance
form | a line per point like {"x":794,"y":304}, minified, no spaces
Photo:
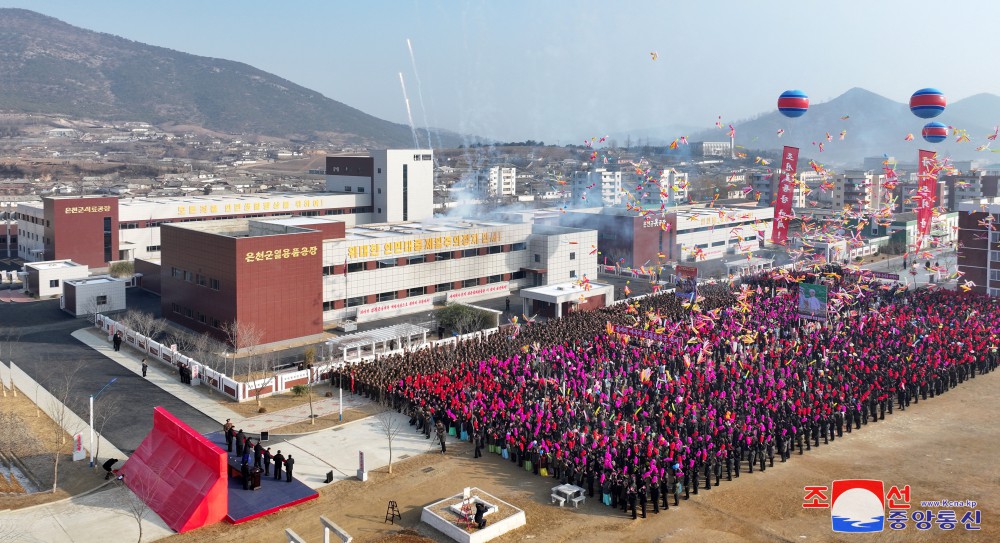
{"x":420,"y":94}
{"x":409,"y":114}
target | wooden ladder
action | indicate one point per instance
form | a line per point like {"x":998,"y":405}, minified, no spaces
{"x":392,"y":513}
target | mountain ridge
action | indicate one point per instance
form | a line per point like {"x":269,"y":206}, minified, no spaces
{"x":52,"y":67}
{"x":875,"y":125}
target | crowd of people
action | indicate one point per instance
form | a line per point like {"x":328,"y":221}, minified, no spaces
{"x":740,"y":381}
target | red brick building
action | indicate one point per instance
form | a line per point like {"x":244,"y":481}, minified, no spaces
{"x":266,"y":274}
{"x":979,"y":244}
{"x":84,"y":230}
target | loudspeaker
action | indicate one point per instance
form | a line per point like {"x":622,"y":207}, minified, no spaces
{"x":329,"y":477}
{"x":263,"y":436}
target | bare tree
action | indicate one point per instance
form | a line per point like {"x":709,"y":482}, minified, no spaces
{"x":390,"y":425}
{"x":134,"y":500}
{"x":143,"y":323}
{"x":104,"y":409}
{"x":62,"y":396}
{"x":261,"y":366}
{"x":243,"y":336}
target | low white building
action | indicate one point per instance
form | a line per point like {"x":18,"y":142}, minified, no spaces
{"x":98,"y":294}
{"x":45,"y":279}
{"x":563,"y":298}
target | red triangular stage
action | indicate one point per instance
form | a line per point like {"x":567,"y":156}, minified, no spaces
{"x":179,"y":473}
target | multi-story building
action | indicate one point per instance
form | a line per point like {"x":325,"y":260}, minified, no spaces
{"x":765,"y":189}
{"x":967,"y":186}
{"x":500,"y":180}
{"x":683,"y":233}
{"x":8,"y":229}
{"x":859,"y":190}
{"x":714,"y":148}
{"x":597,"y":187}
{"x":291,"y":276}
{"x":909,"y":186}
{"x":99,"y":230}
{"x":671,"y":191}
{"x":979,"y":244}
{"x":400,"y":182}
{"x":388,"y":186}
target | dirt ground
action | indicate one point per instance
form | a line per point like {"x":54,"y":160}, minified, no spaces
{"x":944,"y":448}
{"x":287,"y":400}
{"x":31,"y":433}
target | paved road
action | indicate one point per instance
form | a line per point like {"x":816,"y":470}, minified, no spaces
{"x":45,"y":351}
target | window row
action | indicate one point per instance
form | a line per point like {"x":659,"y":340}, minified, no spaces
{"x":420,"y":259}
{"x":196,"y":316}
{"x":131,"y":225}
{"x":196,"y":278}
{"x":420,"y":291}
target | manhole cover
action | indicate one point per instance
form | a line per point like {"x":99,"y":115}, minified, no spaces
{"x":427,"y":470}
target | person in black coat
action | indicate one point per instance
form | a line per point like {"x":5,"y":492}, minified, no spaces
{"x":289,"y":462}
{"x":480,"y":512}
{"x":267,"y":461}
{"x":227,"y":429}
{"x":258,"y":454}
{"x":107,"y":465}
{"x":245,"y":472}
{"x":241,"y":440}
{"x":279,"y":460}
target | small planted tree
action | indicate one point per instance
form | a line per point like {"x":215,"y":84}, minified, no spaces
{"x":307,"y":390}
{"x":134,"y":501}
{"x":390,"y":425}
{"x":464,"y":319}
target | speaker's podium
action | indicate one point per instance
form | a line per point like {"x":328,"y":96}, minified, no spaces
{"x":255,"y":478}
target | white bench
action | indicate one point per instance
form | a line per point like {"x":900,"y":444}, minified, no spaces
{"x":556,"y":498}
{"x":578,"y":500}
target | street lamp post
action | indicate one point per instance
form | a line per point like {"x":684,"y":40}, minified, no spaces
{"x":340,"y":377}
{"x":92,"y":396}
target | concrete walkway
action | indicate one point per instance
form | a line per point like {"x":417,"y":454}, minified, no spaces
{"x":158,"y":374}
{"x":333,"y":449}
{"x":90,"y":517}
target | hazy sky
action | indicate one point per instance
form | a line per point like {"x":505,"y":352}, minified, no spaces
{"x":561,"y":71}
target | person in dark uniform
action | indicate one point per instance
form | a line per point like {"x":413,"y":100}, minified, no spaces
{"x":117,"y":341}
{"x":476,"y":438}
{"x":144,"y":367}
{"x":258,"y":454}
{"x":632,"y":494}
{"x":245,"y":472}
{"x":267,"y":461}
{"x":279,"y":459}
{"x":641,"y":490}
{"x":480,"y":512}
{"x":654,"y":495}
{"x":227,"y":429}
{"x":289,"y":463}
{"x":241,"y":440}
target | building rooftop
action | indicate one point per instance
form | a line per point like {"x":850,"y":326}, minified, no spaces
{"x":54,"y":265}
{"x":93,"y":280}
{"x":434,"y":226}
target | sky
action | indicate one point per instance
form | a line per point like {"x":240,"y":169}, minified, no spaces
{"x":562,"y":72}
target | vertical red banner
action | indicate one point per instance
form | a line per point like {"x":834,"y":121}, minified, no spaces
{"x":783,"y":196}
{"x":927,"y":172}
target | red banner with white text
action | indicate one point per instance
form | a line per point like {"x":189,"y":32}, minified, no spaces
{"x":927,"y":173}
{"x":783,"y":196}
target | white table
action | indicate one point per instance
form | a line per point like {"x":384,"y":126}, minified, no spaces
{"x":569,"y":493}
